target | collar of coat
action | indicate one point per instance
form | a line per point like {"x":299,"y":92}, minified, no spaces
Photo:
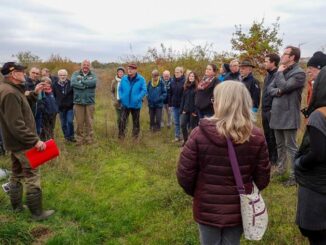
{"x":20,"y":87}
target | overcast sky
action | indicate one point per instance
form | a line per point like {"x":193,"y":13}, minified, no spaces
{"x":111,"y":30}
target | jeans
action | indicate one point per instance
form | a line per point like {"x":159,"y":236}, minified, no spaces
{"x":176,"y":119}
{"x":210,"y":235}
{"x":286,"y":142}
{"x":188,"y":122}
{"x":155,"y":116}
{"x":67,"y":123}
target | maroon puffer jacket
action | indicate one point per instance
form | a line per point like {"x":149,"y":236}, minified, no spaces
{"x":205,"y":172}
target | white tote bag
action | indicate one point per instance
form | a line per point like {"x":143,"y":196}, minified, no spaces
{"x":253,"y":208}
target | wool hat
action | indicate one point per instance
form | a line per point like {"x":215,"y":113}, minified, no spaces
{"x":318,"y":60}
{"x":11,"y":66}
{"x":120,"y":68}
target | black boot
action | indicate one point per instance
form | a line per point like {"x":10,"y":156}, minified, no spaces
{"x":34,"y":203}
{"x":16,"y":196}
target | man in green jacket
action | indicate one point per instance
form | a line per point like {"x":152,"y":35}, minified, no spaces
{"x":84,"y":84}
{"x":19,"y":134}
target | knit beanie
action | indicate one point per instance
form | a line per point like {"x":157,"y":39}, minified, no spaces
{"x":121,"y":69}
{"x":226,"y":67}
{"x":318,"y":60}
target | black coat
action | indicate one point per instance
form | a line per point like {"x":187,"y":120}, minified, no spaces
{"x":232,"y":76}
{"x":188,"y":100}
{"x":203,"y":100}
{"x":63,"y":95}
{"x":252,"y":85}
{"x":267,"y":99}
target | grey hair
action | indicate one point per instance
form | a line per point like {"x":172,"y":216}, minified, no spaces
{"x":46,"y":79}
{"x":63,"y":70}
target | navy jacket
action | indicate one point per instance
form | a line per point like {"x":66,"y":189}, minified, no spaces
{"x":176,"y":91}
{"x":156,"y":95}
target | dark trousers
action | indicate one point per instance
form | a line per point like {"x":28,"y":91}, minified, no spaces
{"x":155,"y":118}
{"x":270,"y":136}
{"x":48,"y":124}
{"x":135,"y":121}
{"x":188,"y":122}
{"x":315,"y":237}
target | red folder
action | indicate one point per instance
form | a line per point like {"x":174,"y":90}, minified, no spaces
{"x":37,"y":158}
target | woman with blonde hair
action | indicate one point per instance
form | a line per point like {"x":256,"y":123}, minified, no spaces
{"x":205,"y":172}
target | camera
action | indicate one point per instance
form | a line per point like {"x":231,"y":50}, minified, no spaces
{"x":6,"y":187}
{"x":305,"y":112}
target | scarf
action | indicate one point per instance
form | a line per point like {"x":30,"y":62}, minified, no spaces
{"x":155,"y":83}
{"x":205,"y":82}
{"x":62,"y":83}
{"x":118,"y":85}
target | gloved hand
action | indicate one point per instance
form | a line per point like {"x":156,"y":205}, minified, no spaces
{"x":298,"y":166}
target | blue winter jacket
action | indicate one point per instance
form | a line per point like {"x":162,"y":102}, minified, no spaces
{"x":131,"y":91}
{"x":156,"y":95}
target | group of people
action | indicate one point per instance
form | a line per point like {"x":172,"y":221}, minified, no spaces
{"x":28,"y":110}
{"x":205,"y":170}
{"x":205,"y":111}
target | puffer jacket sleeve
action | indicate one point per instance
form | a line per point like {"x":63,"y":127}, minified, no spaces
{"x":261,"y":175}
{"x":90,"y":80}
{"x":76,"y":81}
{"x":188,"y":166}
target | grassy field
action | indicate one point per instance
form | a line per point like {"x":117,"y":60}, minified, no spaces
{"x":126,"y":192}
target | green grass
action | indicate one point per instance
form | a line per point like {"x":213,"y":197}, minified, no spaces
{"x":125,"y":192}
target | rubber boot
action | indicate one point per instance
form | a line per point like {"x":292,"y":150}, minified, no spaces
{"x":16,"y":196}
{"x":2,"y":150}
{"x":34,"y":203}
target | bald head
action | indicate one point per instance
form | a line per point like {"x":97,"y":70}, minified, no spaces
{"x":86,"y":66}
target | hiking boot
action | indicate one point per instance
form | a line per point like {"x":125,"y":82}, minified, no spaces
{"x":16,"y":196}
{"x":279,"y":171}
{"x":34,"y":203}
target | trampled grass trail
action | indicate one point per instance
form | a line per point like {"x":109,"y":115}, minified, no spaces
{"x":124,"y":192}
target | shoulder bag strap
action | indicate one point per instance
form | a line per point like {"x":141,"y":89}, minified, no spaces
{"x":235,"y":167}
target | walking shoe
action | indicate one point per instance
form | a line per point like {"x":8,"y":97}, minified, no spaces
{"x":176,"y":140}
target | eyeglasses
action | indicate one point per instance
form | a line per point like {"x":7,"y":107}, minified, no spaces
{"x":36,"y":73}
